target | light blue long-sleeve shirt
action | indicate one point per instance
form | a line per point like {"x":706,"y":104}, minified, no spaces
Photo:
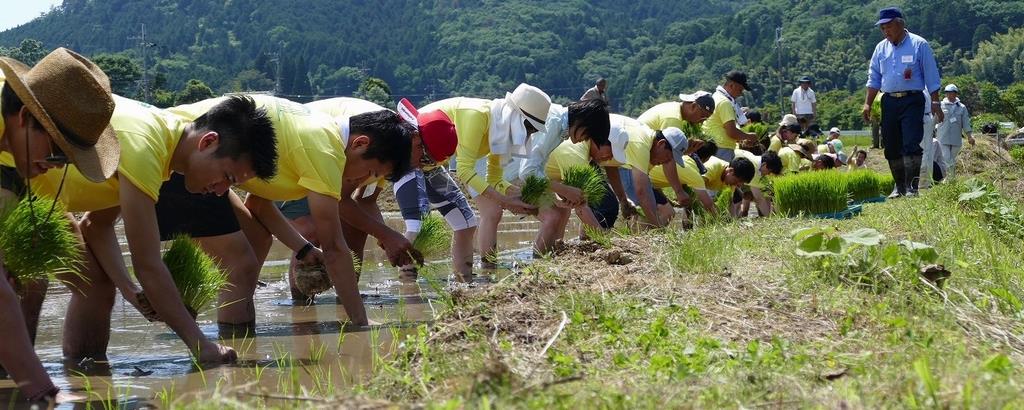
{"x":546,"y":140}
{"x":889,"y":61}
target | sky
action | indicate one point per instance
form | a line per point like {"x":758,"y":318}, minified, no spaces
{"x":17,"y":12}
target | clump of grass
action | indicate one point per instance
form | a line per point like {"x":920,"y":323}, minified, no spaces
{"x":811,"y":193}
{"x":536,"y":191}
{"x":588,"y":179}
{"x":435,"y":236}
{"x":197,"y":276}
{"x":863,"y":184}
{"x":724,"y":200}
{"x":1017,"y":153}
{"x":37,"y":244}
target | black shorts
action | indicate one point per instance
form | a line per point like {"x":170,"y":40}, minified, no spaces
{"x":12,"y":181}
{"x":607,"y":211}
{"x":198,"y":215}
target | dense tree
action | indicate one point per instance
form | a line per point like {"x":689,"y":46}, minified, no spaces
{"x":195,"y":90}
{"x":124,"y":73}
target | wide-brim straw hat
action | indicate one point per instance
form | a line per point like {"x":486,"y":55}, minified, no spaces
{"x":70,"y":97}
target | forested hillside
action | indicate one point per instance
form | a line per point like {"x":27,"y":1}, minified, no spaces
{"x":431,"y":49}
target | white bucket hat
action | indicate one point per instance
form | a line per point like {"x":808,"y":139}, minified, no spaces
{"x":531,"y":102}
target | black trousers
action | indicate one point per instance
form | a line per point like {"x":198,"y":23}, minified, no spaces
{"x":902,"y":125}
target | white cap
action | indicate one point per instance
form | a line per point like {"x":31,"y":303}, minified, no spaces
{"x":952,"y":89}
{"x":788,"y":119}
{"x":834,"y":130}
{"x":677,"y":140}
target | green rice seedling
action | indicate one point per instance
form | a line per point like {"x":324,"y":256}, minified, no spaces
{"x":588,"y":179}
{"x":197,"y":276}
{"x":536,"y":191}
{"x":863,"y":184}
{"x":885,"y":184}
{"x":37,"y":243}
{"x":723,"y":200}
{"x":435,"y":236}
{"x":817,"y":192}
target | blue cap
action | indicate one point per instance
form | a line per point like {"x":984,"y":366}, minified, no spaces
{"x":887,"y":14}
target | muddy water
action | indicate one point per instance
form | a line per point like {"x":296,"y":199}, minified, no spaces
{"x":296,"y":349}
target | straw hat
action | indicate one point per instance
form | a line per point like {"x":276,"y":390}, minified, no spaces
{"x":70,"y":96}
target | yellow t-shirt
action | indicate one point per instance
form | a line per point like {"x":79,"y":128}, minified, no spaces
{"x":566,"y":155}
{"x":148,"y":137}
{"x":344,"y":106}
{"x":790,"y":160}
{"x":310,"y":154}
{"x":5,"y":157}
{"x":758,"y":180}
{"x":664,"y":115}
{"x":688,"y":175}
{"x":638,"y":146}
{"x":472,"y":118}
{"x":714,"y":126}
{"x":713,"y":177}
{"x":776,"y":144}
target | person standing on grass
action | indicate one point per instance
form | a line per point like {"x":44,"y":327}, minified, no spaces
{"x":52,"y":114}
{"x":598,"y":92}
{"x":805,"y":103}
{"x":724,"y":124}
{"x":903,"y":67}
{"x":955,"y":126}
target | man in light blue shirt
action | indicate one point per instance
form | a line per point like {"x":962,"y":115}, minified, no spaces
{"x":903,"y":67}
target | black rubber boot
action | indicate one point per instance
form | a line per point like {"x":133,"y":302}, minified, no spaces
{"x":899,"y":175}
{"x":913,"y":170}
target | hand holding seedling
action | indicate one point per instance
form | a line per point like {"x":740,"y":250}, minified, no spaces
{"x":139,"y":301}
{"x":398,"y":249}
{"x":215,"y":354}
{"x":313,"y":257}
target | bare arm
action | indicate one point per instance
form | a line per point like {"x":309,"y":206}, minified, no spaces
{"x":271,"y":217}
{"x":140,"y":228}
{"x":16,"y":353}
{"x":615,"y":180}
{"x":643,"y":192}
{"x":98,"y":232}
{"x":397,"y":247}
{"x":705,"y":199}
{"x":337,"y":258}
{"x":763,"y":206}
{"x":672,"y":175}
{"x":868,"y":100}
{"x":736,"y":134}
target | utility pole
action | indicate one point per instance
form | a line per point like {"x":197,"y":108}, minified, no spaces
{"x":782,"y":85}
{"x":144,"y":89}
{"x":276,"y":58}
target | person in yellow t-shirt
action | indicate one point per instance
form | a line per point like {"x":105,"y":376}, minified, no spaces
{"x":766,"y":165}
{"x":232,"y":143}
{"x":326,"y":160}
{"x":788,"y":133}
{"x":687,"y":114}
{"x":689,"y":176}
{"x":721,"y":174}
{"x":499,"y":130}
{"x":724,"y":125}
{"x":52,"y":114}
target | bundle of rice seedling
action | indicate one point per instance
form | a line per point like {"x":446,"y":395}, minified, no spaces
{"x":819,"y":192}
{"x":587,"y":179}
{"x":885,"y":184}
{"x":862,"y":184}
{"x":435,"y":236}
{"x":536,"y":191}
{"x":37,"y":244}
{"x":723,"y":200}
{"x":197,"y":276}
{"x":313,"y":279}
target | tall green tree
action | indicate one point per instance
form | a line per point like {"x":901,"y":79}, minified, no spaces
{"x":195,"y":90}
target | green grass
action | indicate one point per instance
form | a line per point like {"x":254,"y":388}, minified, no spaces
{"x":536,"y":191}
{"x":197,"y":276}
{"x":435,"y":236}
{"x":1017,"y":153}
{"x":588,"y":179}
{"x":816,"y":192}
{"x":35,"y":247}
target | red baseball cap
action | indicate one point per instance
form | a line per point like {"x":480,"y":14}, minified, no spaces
{"x":437,"y":131}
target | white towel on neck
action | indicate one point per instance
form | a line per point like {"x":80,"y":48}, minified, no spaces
{"x":507,"y":135}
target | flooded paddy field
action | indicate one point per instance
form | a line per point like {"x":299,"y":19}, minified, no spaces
{"x":297,"y":349}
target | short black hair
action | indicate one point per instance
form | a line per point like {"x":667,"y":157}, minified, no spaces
{"x":743,"y":168}
{"x":244,"y":130}
{"x":826,"y":160}
{"x":592,"y":115}
{"x":706,"y":151}
{"x":10,"y":104}
{"x":860,"y":151}
{"x":390,"y":139}
{"x":754,"y":116}
{"x":772,"y":161}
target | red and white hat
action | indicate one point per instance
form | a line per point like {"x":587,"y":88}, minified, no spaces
{"x":437,"y":131}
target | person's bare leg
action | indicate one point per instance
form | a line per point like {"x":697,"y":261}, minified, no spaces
{"x":87,"y":322}
{"x":304,"y":225}
{"x":551,"y":229}
{"x":235,"y":256}
{"x":33,"y":292}
{"x":487,"y":231}
{"x":462,"y":251}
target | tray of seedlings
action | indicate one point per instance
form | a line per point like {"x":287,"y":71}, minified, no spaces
{"x":867,"y":186}
{"x":821,"y":194}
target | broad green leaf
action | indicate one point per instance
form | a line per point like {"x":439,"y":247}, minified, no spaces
{"x":891,"y":254}
{"x":864,"y":236}
{"x":812,"y":243}
{"x":921,"y":251}
{"x":834,"y":245}
{"x":970,"y":196}
{"x":801,"y":233}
